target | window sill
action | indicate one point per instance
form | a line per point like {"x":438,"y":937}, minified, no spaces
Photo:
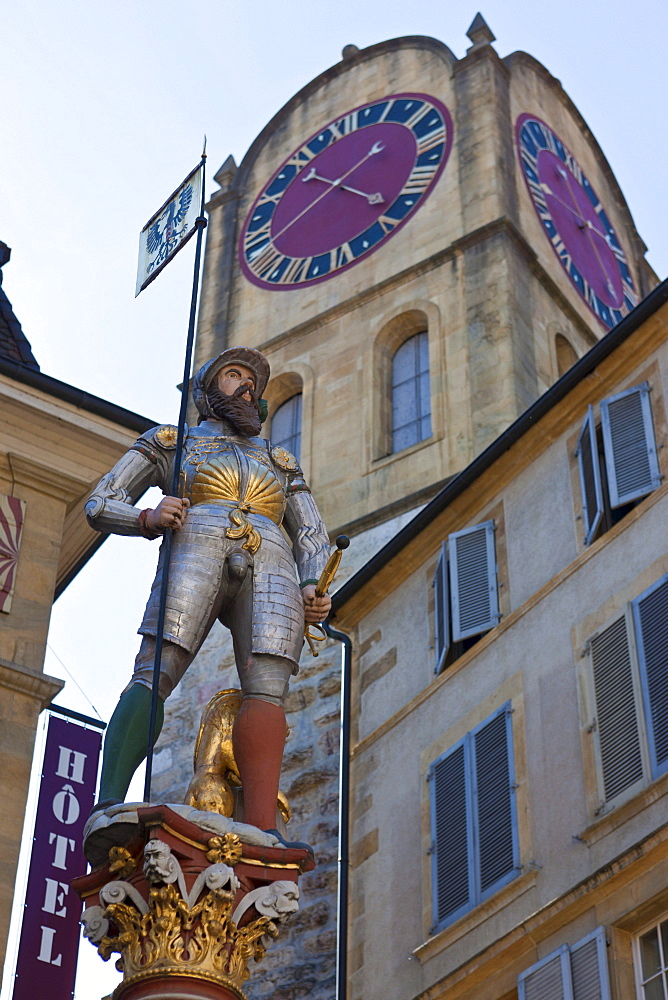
{"x":383,"y":460}
{"x":470,"y":921}
{"x":617,"y":815}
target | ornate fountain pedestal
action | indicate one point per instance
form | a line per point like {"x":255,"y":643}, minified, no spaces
{"x":185,"y":907}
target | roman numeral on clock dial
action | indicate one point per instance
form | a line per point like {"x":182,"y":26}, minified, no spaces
{"x":368,"y":171}
{"x":574,"y":221}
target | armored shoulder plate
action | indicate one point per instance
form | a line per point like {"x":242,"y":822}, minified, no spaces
{"x":284,"y":459}
{"x":154,"y":443}
{"x":166,"y":436}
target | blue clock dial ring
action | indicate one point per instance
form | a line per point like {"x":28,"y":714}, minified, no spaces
{"x":575,"y":222}
{"x":350,"y":187}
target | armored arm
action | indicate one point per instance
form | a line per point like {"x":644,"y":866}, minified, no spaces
{"x":310,"y":542}
{"x":110,"y":507}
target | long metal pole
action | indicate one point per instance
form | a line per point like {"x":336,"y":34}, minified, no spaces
{"x":200,"y":223}
{"x":344,"y":816}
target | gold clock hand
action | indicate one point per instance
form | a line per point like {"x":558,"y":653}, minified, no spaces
{"x":313,"y":176}
{"x":376,"y":148}
{"x":373,"y":199}
{"x":548,"y":190}
{"x":588,"y":226}
{"x":585,"y":224}
{"x":604,"y":270}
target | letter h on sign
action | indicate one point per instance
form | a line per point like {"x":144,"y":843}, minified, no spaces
{"x":50,"y":931}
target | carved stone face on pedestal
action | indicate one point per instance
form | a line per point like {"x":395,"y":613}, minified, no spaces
{"x":158,"y":863}
{"x":205,"y":906}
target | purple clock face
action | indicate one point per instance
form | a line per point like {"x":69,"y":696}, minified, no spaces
{"x":350,"y":187}
{"x":580,"y":228}
{"x":344,"y":190}
{"x":575,"y":222}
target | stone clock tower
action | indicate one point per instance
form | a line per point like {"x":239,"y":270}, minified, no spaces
{"x":401,"y":191}
{"x":421,"y":245}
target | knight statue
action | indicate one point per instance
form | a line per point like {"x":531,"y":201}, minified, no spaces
{"x":239,"y":498}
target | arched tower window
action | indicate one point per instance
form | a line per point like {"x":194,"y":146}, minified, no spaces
{"x":566,"y":356}
{"x":286,"y":425}
{"x":411,"y":404}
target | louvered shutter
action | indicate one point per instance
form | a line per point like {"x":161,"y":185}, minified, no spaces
{"x":494,"y":804}
{"x":576,"y":973}
{"x":629,"y":445}
{"x":650,"y":612}
{"x":451,"y":842}
{"x":618,"y":722}
{"x":473,"y":819}
{"x":473,"y":587}
{"x":590,"y":476}
{"x":548,"y":979}
{"x":442,"y":608}
{"x":589,"y":968}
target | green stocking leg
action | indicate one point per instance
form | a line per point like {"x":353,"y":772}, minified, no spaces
{"x":126,"y":741}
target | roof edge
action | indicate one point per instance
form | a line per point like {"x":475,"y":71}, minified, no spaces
{"x":76,"y":397}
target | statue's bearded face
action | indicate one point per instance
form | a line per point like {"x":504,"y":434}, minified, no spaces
{"x":233,"y":397}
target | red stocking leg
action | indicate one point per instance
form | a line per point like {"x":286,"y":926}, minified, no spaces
{"x":258,"y":738}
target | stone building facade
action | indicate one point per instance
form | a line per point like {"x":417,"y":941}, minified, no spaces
{"x":508,"y":815}
{"x":462,"y":263}
{"x":55,"y":443}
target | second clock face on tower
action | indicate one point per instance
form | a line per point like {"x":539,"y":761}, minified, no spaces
{"x":344,"y":192}
{"x":575,"y":222}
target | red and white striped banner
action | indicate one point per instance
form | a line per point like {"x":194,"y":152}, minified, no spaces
{"x":11,"y":527}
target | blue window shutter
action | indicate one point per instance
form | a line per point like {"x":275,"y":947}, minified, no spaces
{"x":473,"y":587}
{"x":495,"y":823}
{"x":451,"y":846}
{"x":618,"y":714}
{"x":589,"y":968}
{"x":473,"y":819}
{"x":548,"y":979}
{"x":629,"y":445}
{"x":442,"y":608}
{"x":576,"y":973}
{"x":590,"y":476}
{"x":286,"y":425}
{"x":650,"y":613}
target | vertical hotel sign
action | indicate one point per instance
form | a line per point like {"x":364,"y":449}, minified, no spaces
{"x":49,"y":940}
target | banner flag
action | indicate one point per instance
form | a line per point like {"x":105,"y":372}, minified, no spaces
{"x":169,"y":229}
{"x":49,"y":943}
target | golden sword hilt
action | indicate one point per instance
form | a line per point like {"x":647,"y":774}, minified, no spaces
{"x":322,"y":586}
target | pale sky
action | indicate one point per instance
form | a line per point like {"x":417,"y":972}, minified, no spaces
{"x":104,"y":107}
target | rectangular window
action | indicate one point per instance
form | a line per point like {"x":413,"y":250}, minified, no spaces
{"x":572,"y":972}
{"x":411,"y":401}
{"x":618,"y":461}
{"x":473,"y":819}
{"x":465,"y":590}
{"x":629,"y":689}
{"x":651,"y":963}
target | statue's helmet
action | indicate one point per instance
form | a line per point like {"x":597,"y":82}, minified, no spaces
{"x":246,"y":356}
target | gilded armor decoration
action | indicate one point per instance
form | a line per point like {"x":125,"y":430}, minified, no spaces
{"x":237,"y":478}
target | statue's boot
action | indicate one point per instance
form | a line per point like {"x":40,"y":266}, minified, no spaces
{"x":126,"y":743}
{"x":258,"y":739}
